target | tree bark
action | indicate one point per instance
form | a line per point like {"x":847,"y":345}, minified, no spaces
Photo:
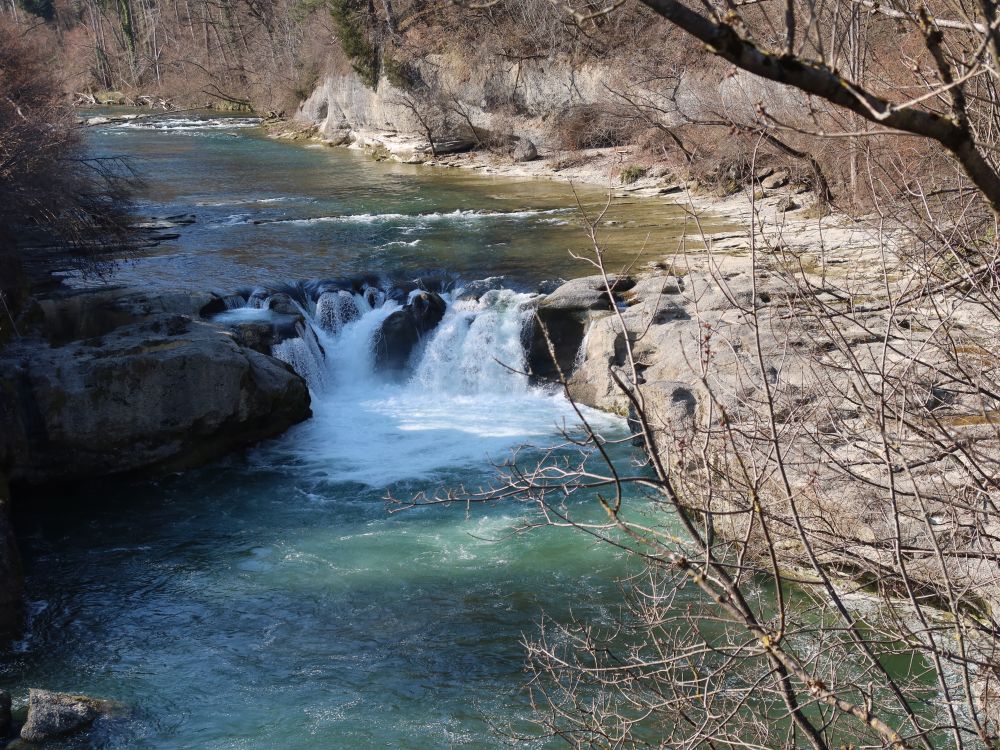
{"x":817,"y":79}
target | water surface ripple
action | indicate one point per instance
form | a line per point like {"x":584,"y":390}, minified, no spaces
{"x":272,"y":600}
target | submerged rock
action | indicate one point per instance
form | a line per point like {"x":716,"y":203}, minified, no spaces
{"x":54,"y":715}
{"x":282,"y":303}
{"x":474,"y":290}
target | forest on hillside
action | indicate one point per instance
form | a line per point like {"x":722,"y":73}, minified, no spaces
{"x":677,"y":103}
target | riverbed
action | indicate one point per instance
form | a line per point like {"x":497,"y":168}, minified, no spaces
{"x":277,"y":599}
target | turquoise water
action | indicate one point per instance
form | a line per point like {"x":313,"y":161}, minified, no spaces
{"x":248,"y":607}
{"x":275,"y":599}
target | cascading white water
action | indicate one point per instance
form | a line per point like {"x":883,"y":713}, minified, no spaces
{"x":307,"y":357}
{"x":478,"y":347}
{"x":334,"y":310}
{"x":581,"y":353}
{"x":466,"y":399}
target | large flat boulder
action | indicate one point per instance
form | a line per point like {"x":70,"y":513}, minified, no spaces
{"x":587,"y":293}
{"x":163,"y":393}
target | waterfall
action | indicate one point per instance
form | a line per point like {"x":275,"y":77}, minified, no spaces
{"x":234,"y":302}
{"x":336,"y":343}
{"x":255,"y":299}
{"x":334,"y":310}
{"x":462,"y":399}
{"x":581,"y":353}
{"x":307,"y":356}
{"x":477,"y":348}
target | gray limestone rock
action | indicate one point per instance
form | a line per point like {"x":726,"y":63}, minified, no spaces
{"x":524,"y":150}
{"x":160,"y":391}
{"x":54,"y":715}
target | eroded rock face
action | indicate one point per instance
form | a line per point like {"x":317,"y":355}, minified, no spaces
{"x":165,"y":391}
{"x":563,"y":319}
{"x":682,"y":332}
{"x":55,"y":715}
{"x":403,"y":329}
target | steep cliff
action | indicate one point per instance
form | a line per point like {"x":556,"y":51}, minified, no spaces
{"x":493,"y":103}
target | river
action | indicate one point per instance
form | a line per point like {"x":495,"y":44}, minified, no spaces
{"x":275,"y":599}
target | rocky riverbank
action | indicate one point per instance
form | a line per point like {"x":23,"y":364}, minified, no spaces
{"x":117,"y":381}
{"x":728,"y":348}
{"x":114,"y":382}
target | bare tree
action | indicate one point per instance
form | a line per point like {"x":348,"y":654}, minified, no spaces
{"x":816,"y":515}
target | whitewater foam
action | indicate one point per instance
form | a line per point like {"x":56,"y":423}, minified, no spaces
{"x":459,"y":215}
{"x":467,"y":401}
{"x":188,"y":123}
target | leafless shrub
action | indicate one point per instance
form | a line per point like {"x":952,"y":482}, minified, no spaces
{"x":818,"y":531}
{"x":50,"y":192}
{"x":589,"y":126}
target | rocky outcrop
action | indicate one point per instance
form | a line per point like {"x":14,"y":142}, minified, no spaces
{"x":54,"y":716}
{"x":714,"y":349}
{"x":263,"y":335}
{"x":563,"y":318}
{"x":687,"y":334}
{"x":658,"y":325}
{"x":114,"y":383}
{"x":346,"y":111}
{"x":588,"y":293}
{"x":403,"y":330}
